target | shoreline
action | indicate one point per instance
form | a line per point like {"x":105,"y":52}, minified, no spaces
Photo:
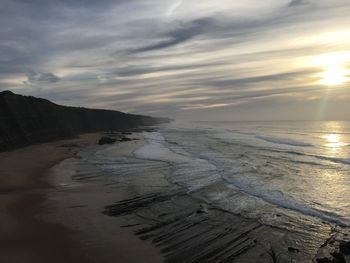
{"x":27,"y":233}
{"x":103,"y":203}
{"x":79,"y":204}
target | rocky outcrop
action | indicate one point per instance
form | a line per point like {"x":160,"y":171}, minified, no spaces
{"x":106,"y":140}
{"x":26,"y":120}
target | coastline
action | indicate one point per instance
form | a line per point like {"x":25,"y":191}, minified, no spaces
{"x":79,"y":204}
{"x":117,"y":202}
{"x":28,"y":233}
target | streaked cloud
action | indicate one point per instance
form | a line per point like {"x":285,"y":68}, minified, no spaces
{"x":182,"y":59}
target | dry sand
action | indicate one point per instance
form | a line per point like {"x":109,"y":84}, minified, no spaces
{"x":74,"y":233}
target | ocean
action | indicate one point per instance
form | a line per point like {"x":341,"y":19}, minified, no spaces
{"x":301,"y":166}
{"x":233,"y":186}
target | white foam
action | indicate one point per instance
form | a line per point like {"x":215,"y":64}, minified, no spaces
{"x":194,"y":171}
{"x":283,"y":141}
{"x":155,"y":150}
{"x":280,"y":199}
{"x":252,"y":136}
{"x":232,"y":136}
{"x":153,"y":136}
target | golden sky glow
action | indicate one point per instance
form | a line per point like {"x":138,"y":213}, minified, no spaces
{"x":334,"y":66}
{"x":252,"y":59}
{"x":334,"y":76}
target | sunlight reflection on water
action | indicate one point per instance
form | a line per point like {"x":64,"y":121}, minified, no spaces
{"x":334,"y":141}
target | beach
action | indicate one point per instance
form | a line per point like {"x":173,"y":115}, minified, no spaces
{"x":175,"y":131}
{"x":29,"y":231}
{"x":176,"y":193}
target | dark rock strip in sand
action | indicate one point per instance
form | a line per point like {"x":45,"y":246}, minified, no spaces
{"x":188,"y":230}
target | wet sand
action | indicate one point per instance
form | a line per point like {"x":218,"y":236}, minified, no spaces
{"x":24,"y":238}
{"x":29,"y":234}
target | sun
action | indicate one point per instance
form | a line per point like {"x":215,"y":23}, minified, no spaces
{"x":335,"y":71}
{"x":334,"y":76}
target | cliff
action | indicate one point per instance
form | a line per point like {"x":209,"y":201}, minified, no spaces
{"x":28,"y":120}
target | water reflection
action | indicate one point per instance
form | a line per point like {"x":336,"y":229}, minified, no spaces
{"x":330,"y":192}
{"x":334,"y":140}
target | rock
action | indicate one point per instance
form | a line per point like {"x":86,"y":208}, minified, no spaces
{"x":338,"y":258}
{"x":27,"y":120}
{"x":70,"y":145}
{"x":125,"y":139}
{"x":202,"y":210}
{"x":106,"y":140}
{"x":344,"y":247}
{"x":324,"y":260}
{"x":292,"y":249}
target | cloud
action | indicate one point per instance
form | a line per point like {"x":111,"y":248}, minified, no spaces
{"x":296,"y":2}
{"x":183,"y":33}
{"x":170,"y":57}
{"x":264,"y":78}
{"x":37,"y":78}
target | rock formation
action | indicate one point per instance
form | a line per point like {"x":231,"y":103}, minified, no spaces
{"x":26,"y":120}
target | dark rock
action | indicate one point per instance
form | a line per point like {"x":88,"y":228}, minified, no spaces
{"x":344,"y":247}
{"x":338,"y":258}
{"x":292,"y":249}
{"x":125,"y":139}
{"x":70,"y":145}
{"x":202,"y":210}
{"x":324,"y":260}
{"x":27,"y":120}
{"x":335,"y":257}
{"x":106,"y":140}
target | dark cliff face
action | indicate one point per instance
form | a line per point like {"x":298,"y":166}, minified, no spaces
{"x":27,"y":120}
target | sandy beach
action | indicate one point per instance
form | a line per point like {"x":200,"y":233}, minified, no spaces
{"x":35,"y":227}
{"x":138,"y":201}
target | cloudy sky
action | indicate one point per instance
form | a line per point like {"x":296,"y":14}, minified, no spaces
{"x":194,"y":59}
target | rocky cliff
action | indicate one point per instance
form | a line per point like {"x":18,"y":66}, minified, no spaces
{"x":27,"y":120}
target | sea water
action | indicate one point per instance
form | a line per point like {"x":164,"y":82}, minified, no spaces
{"x":299,"y":169}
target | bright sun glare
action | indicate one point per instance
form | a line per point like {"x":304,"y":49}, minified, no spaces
{"x":334,"y":141}
{"x":334,"y":76}
{"x":335,"y":70}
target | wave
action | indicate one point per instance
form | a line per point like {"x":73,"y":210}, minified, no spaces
{"x":245,"y":135}
{"x":333,"y":159}
{"x":284,"y":141}
{"x":242,"y":138}
{"x":279,"y":199}
{"x":233,"y":135}
{"x":155,"y":150}
{"x":320,"y":157}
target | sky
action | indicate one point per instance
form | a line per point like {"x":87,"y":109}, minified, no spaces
{"x":189,"y":60}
